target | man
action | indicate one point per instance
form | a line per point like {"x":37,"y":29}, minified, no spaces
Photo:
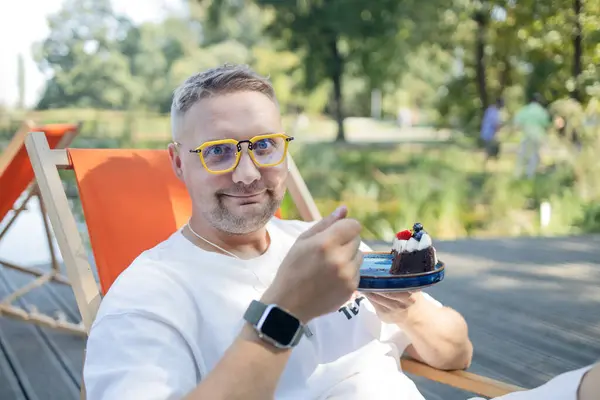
{"x":490,"y":125}
{"x":193,"y":317}
{"x":533,"y":120}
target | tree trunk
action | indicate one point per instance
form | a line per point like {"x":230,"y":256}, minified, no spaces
{"x":504,"y":76}
{"x":577,"y":48}
{"x":481,"y":19}
{"x":337,"y":70}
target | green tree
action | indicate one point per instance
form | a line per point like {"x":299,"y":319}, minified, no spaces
{"x":152,"y":51}
{"x":82,"y":58}
{"x":340,"y":39}
{"x":523,"y":47}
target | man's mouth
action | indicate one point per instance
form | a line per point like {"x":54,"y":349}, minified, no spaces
{"x":246,"y":195}
{"x":246,"y":198}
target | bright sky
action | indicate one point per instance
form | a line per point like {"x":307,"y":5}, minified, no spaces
{"x":23,"y":22}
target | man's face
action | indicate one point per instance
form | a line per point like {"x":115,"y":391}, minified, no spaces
{"x":245,"y":199}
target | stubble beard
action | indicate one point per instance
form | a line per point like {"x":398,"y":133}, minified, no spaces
{"x":225,"y":219}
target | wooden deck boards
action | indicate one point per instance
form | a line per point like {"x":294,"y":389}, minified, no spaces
{"x":47,"y":363}
{"x":533,"y":308}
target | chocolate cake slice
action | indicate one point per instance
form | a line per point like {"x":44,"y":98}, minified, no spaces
{"x":413,"y":252}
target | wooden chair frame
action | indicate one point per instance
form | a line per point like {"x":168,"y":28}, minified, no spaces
{"x":7,"y":307}
{"x":47,"y":162}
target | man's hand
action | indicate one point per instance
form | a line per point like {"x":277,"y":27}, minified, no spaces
{"x":438,"y":335}
{"x":393,"y":308}
{"x":321,"y":270}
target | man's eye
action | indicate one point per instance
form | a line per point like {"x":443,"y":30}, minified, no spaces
{"x":217,"y":150}
{"x":263,"y":144}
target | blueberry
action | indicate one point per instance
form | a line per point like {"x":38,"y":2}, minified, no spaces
{"x":417,"y":227}
{"x":418,"y":235}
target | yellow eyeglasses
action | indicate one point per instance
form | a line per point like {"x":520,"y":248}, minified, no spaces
{"x":222,"y":156}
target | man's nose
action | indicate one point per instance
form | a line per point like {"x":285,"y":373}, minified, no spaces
{"x":246,"y":171}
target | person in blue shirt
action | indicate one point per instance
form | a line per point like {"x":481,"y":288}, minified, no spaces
{"x":490,"y":125}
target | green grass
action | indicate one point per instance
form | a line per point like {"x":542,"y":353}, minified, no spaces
{"x":446,"y":187}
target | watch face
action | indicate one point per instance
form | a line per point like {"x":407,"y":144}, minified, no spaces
{"x":280,"y":326}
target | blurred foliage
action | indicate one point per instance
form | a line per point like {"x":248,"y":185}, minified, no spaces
{"x":418,"y":54}
{"x":529,"y":47}
{"x":444,"y":186}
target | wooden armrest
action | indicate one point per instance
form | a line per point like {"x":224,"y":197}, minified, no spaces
{"x":464,"y":380}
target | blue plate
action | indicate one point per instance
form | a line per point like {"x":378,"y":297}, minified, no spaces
{"x":375,"y":276}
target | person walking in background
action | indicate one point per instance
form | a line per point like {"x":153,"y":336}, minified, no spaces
{"x":490,"y":125}
{"x":533,"y":120}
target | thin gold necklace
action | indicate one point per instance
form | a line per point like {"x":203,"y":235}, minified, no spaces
{"x":227,"y":252}
{"x":211,"y":243}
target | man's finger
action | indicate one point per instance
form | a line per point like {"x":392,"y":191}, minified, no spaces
{"x":358,"y":257}
{"x":339,"y":213}
{"x":387,"y":302}
{"x":351,"y":248}
{"x":343,"y":231}
{"x":356,"y":263}
{"x":398,"y":296}
{"x":375,"y":302}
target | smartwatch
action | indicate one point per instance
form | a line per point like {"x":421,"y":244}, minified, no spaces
{"x":274,"y":325}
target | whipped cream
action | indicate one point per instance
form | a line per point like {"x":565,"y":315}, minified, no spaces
{"x":412,"y":244}
{"x":399,"y":244}
{"x":425,"y":242}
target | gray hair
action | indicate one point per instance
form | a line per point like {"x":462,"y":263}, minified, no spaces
{"x":224,"y":79}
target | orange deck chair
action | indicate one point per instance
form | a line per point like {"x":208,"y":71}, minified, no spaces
{"x":17,"y":179}
{"x":131,"y":201}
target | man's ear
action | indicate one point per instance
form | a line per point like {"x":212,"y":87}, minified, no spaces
{"x":175,"y":160}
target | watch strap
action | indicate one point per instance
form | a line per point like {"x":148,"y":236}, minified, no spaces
{"x":254,"y":312}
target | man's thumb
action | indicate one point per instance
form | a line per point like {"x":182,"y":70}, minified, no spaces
{"x":326,"y":222}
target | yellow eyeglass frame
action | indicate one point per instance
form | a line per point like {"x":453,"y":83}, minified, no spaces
{"x":238,"y":155}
